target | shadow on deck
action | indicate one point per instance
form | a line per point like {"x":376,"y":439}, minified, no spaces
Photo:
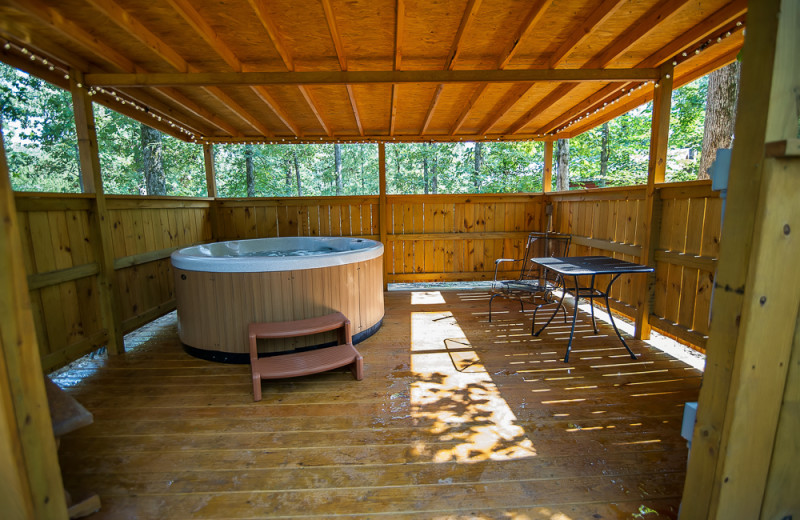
{"x":455,"y":418}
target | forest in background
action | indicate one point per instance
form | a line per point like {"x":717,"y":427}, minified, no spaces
{"x":41,"y":148}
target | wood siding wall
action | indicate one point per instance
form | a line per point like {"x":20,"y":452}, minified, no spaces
{"x":687,"y":226}
{"x":429,"y":238}
{"x":62,"y":268}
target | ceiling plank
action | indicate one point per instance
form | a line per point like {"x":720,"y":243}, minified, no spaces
{"x":531,"y":19}
{"x":259,"y":6}
{"x":69,"y":29}
{"x":431,"y":108}
{"x":717,"y":21}
{"x":399,"y":25}
{"x":337,"y":43}
{"x":638,"y":29}
{"x":509,"y":100}
{"x":546,"y":102}
{"x":375,"y":77}
{"x":133,"y":27}
{"x":601,"y":13}
{"x":466,"y":110}
{"x":313,"y":105}
{"x":470,"y":12}
{"x":534,"y":15}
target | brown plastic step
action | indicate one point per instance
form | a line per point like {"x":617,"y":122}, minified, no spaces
{"x":294,"y":364}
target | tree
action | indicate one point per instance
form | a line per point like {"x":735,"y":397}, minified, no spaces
{"x":604,"y":152}
{"x":297,"y":171}
{"x":248,"y":167}
{"x":152,"y":165}
{"x":723,"y":92}
{"x":562,"y":164}
{"x":476,"y":178}
{"x":337,"y":167}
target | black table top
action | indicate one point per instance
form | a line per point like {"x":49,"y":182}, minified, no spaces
{"x":589,"y":265}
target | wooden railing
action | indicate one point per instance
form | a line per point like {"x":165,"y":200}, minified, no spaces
{"x":609,"y":221}
{"x":427,"y":238}
{"x":61,"y":258}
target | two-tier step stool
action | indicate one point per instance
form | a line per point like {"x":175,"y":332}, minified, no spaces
{"x":306,"y":362}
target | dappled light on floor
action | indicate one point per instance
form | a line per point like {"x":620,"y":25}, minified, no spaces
{"x":454,"y":391}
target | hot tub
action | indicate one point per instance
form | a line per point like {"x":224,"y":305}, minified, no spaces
{"x":222,"y":287}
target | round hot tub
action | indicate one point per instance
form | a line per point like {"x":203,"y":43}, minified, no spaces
{"x":222,"y":287}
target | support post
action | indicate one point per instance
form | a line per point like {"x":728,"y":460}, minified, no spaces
{"x":547,"y":179}
{"x":211,"y":188}
{"x":744,"y":449}
{"x":211,"y":179}
{"x":102,"y":245}
{"x":382,"y":209}
{"x":29,"y":469}
{"x":659,"y":141}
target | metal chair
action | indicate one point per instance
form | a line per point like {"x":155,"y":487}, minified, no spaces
{"x":534,"y":283}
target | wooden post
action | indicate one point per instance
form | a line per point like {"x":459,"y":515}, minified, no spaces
{"x":743,"y":462}
{"x":547,"y":180}
{"x":659,"y":140}
{"x":382,"y":209}
{"x":29,"y":470}
{"x":211,"y":188}
{"x":211,"y":179}
{"x":100,"y":227}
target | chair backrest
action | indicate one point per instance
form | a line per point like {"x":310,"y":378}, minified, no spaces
{"x":542,"y":245}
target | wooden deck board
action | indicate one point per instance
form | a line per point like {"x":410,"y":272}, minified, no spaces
{"x":456,"y":418}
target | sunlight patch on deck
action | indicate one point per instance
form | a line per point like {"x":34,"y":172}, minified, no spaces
{"x":454,"y":390}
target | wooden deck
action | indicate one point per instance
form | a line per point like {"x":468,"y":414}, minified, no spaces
{"x":455,"y":418}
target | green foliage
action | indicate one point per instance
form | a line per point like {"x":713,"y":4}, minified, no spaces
{"x":42,"y":154}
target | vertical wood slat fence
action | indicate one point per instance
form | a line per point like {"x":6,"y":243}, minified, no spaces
{"x":429,"y":238}
{"x":62,"y":268}
{"x":610,"y":222}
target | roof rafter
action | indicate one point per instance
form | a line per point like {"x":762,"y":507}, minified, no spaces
{"x":274,"y":35}
{"x":640,"y":27}
{"x":69,"y":29}
{"x":132,"y":26}
{"x":470,"y":11}
{"x":201,"y":27}
{"x":717,"y":21}
{"x":399,"y":25}
{"x":337,"y":43}
{"x":534,"y":15}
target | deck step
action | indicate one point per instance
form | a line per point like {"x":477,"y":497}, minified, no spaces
{"x":294,"y":364}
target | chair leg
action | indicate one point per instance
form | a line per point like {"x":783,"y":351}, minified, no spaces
{"x":491,"y":299}
{"x":256,"y":387}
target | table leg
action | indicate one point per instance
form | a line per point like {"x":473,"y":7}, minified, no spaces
{"x":611,"y":317}
{"x":555,"y":312}
{"x":591,"y":305}
{"x":574,"y":316}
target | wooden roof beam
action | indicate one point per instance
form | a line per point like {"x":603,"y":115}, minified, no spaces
{"x":206,"y":32}
{"x":133,"y":27}
{"x":531,"y":19}
{"x":466,"y":110}
{"x":509,"y":100}
{"x":274,"y":35}
{"x":601,"y":13}
{"x":470,"y":11}
{"x":373,"y":77}
{"x":399,"y":25}
{"x":726,"y":16}
{"x":637,"y":30}
{"x":337,"y":43}
{"x":61,"y":24}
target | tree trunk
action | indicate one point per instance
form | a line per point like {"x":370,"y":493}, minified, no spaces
{"x":435,"y":176}
{"x":723,"y":92}
{"x":154,"y":178}
{"x":603,"y":153}
{"x":288,"y":179}
{"x":425,"y":168}
{"x":337,"y":163}
{"x":297,"y":174}
{"x":562,"y":165}
{"x":248,"y":166}
{"x":476,"y":175}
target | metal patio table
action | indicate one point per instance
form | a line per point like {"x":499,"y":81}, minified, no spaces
{"x":591,"y":266}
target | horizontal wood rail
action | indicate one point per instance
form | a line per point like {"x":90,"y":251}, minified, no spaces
{"x":465,"y":235}
{"x":703,"y":263}
{"x":40,"y":280}
{"x":607,"y":245}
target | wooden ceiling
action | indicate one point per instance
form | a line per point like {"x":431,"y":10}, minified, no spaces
{"x":359,"y":70}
